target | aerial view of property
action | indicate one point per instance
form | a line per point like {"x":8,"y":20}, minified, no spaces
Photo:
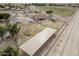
{"x":39,"y":29}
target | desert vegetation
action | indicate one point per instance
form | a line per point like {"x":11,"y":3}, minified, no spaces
{"x":10,"y":51}
{"x":4,"y":16}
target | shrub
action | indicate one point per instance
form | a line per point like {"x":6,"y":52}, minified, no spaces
{"x":4,"y":16}
{"x":48,"y":12}
{"x":10,"y":51}
{"x":13,"y":28}
{"x":1,"y":6}
{"x":2,"y":31}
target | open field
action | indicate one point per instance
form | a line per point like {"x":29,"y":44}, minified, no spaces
{"x":63,"y":11}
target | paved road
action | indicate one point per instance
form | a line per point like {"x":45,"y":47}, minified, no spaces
{"x":68,"y":42}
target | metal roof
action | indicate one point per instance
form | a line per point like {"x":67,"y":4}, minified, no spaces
{"x":31,"y":46}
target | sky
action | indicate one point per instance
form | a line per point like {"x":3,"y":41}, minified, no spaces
{"x":39,"y":1}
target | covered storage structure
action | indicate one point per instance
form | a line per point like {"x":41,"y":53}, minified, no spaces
{"x":34,"y":44}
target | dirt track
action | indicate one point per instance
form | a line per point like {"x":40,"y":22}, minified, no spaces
{"x":67,"y":43}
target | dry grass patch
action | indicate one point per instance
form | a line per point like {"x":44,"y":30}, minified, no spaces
{"x":60,"y":10}
{"x":29,"y":30}
{"x":55,"y":25}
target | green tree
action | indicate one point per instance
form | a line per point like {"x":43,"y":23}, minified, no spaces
{"x":2,"y":32}
{"x":4,"y":16}
{"x":49,"y":12}
{"x":13,"y":28}
{"x":10,"y":51}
